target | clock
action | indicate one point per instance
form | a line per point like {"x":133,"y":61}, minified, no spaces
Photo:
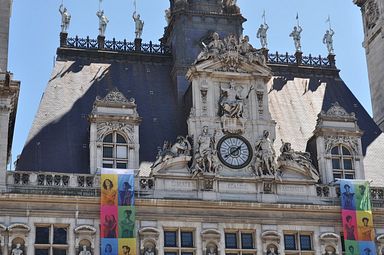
{"x":234,"y":151}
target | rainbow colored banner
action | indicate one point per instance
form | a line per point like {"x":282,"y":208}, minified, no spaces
{"x":117,"y":212}
{"x":356,"y":213}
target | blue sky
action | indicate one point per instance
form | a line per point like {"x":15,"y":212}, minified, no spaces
{"x":35,"y":28}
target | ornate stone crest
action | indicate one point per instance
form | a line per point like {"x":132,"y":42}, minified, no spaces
{"x":337,"y":111}
{"x":115,"y":96}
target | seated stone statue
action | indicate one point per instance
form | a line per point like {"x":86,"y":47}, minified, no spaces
{"x":300,"y":159}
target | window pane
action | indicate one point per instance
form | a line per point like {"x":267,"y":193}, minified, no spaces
{"x":108,"y":139}
{"x":348,"y":164}
{"x":246,"y":241}
{"x":305,"y":243}
{"x":346,"y":151}
{"x":108,"y":164}
{"x":42,"y":235}
{"x":107,"y":152}
{"x":121,"y":165}
{"x":170,"y":238}
{"x":186,"y":239}
{"x":59,"y":252}
{"x":350,"y":176}
{"x":41,"y":252}
{"x":120,"y":139}
{"x":187,"y":253}
{"x":230,"y":240}
{"x":60,"y":236}
{"x":121,"y":152}
{"x":337,"y":176}
{"x":335,"y":151}
{"x":290,"y":242}
{"x":170,"y":253}
{"x":335,"y":163}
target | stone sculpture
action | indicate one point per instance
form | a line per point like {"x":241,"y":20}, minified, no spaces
{"x":65,"y":18}
{"x":139,"y":25}
{"x":17,"y":250}
{"x":103,"y":21}
{"x":297,"y":159}
{"x":182,"y":147}
{"x":262,"y":35}
{"x":85,"y":251}
{"x":265,"y":156}
{"x":231,"y":52}
{"x":296,"y":35}
{"x":205,"y":155}
{"x":231,"y":102}
{"x":328,"y":40}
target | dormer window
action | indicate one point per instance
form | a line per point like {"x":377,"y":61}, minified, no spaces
{"x":115,"y":151}
{"x":342,"y":163}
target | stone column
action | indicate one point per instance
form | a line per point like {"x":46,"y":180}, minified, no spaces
{"x":5,"y":14}
{"x":299,"y":57}
{"x":4,"y":126}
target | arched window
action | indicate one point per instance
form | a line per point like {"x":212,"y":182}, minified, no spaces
{"x":115,"y":151}
{"x":342,"y":163}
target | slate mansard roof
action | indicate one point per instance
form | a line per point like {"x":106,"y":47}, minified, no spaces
{"x":59,"y":138}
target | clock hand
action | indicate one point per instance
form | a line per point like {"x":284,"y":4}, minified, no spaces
{"x":232,"y":152}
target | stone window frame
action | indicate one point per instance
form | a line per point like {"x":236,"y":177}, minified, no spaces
{"x":297,"y":235}
{"x":341,"y":157}
{"x":240,"y":250}
{"x":114,"y":145}
{"x":52,"y":245}
{"x":179,"y":249}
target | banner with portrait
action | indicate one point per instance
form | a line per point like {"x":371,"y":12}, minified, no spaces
{"x":117,"y":212}
{"x":357,"y":217}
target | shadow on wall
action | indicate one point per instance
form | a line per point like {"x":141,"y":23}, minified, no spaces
{"x":63,"y":144}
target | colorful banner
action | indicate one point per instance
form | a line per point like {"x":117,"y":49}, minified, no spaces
{"x":117,"y":212}
{"x":356,"y":212}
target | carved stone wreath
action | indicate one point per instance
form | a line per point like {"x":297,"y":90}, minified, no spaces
{"x":332,"y":141}
{"x":106,"y":127}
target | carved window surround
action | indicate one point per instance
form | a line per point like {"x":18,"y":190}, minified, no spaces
{"x":18,"y":230}
{"x":114,"y":113}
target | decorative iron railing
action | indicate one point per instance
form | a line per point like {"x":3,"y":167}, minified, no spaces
{"x":298,"y":59}
{"x":115,"y":45}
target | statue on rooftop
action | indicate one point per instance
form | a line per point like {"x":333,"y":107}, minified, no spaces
{"x":65,"y":18}
{"x":262,"y":35}
{"x":328,"y":40}
{"x":296,"y":35}
{"x":103,"y":21}
{"x":139,"y":25}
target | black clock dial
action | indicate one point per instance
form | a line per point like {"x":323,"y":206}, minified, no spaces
{"x":234,"y":151}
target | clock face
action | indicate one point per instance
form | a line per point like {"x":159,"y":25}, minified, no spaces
{"x":234,"y":151}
